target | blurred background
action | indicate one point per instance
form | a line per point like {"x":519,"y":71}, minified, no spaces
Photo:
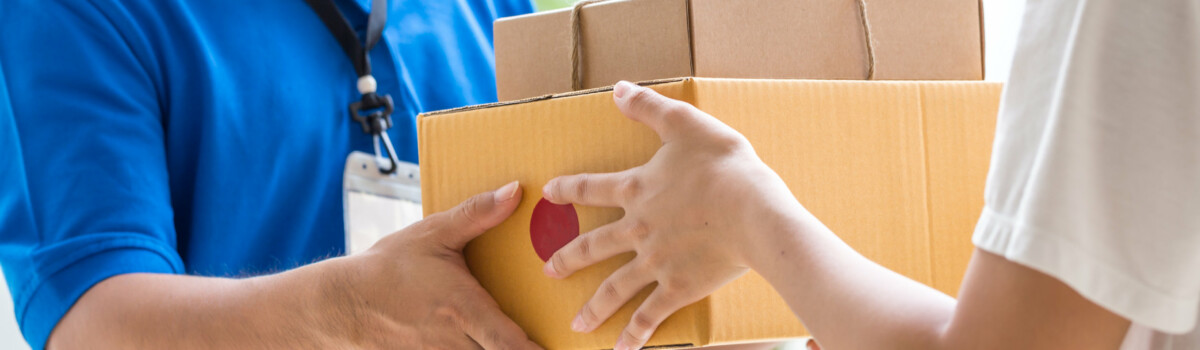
{"x":1002,"y":18}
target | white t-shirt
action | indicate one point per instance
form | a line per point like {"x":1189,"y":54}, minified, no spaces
{"x":1095,"y":173}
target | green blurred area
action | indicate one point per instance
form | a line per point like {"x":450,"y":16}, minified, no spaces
{"x":543,"y":5}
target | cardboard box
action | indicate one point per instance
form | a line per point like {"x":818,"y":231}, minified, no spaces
{"x":895,"y":168}
{"x":640,"y":40}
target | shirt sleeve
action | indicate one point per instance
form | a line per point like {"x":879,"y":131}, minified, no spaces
{"x":1095,"y":173}
{"x":84,"y":190}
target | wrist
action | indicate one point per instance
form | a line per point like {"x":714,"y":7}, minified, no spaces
{"x":770,"y":220}
{"x":781,"y":237}
{"x":316,"y":302}
{"x":339,"y":307}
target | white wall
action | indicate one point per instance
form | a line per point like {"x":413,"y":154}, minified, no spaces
{"x":1001,"y":18}
{"x":10,"y":337}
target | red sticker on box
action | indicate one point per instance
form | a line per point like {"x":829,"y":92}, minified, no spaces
{"x":552,"y":227}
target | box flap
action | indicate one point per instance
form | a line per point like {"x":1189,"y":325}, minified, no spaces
{"x":622,"y":40}
{"x":754,"y":38}
{"x":927,"y":39}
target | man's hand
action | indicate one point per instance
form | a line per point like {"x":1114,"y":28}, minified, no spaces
{"x":411,"y":290}
{"x":415,"y":290}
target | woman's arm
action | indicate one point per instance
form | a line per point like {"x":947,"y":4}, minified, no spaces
{"x":706,"y":209}
{"x":849,"y":302}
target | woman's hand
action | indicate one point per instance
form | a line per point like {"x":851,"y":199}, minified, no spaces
{"x":691,"y":214}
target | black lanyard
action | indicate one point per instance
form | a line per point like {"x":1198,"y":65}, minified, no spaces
{"x":379,"y":108}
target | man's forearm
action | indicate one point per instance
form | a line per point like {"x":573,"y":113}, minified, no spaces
{"x":150,"y":311}
{"x":846,"y":300}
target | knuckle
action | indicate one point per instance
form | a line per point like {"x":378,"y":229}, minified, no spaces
{"x":493,"y":336}
{"x":559,"y":264}
{"x":651,"y":262}
{"x":581,"y":185}
{"x":731,"y":141}
{"x":469,"y":211}
{"x":588,"y":313}
{"x":669,"y":292}
{"x":609,"y":291}
{"x":585,"y":247}
{"x":448,"y":314}
{"x":628,"y":335}
{"x":432,"y":222}
{"x":674,"y":285}
{"x":630,"y":187}
{"x":640,"y":322}
{"x":639,"y":231}
{"x":639,"y":96}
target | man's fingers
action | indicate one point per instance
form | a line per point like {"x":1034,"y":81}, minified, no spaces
{"x":475,"y":215}
{"x":660,"y":304}
{"x":459,"y":341}
{"x":590,"y":248}
{"x":612,"y":294}
{"x":492,"y":329}
{"x":660,"y":113}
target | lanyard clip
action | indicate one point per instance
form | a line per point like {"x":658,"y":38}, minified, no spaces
{"x":376,"y":121}
{"x":379,"y":113}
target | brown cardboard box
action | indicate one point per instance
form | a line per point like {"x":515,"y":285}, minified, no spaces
{"x":894,"y":168}
{"x":641,"y":40}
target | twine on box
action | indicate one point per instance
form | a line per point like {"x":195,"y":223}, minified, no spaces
{"x":577,"y":41}
{"x":862,"y":15}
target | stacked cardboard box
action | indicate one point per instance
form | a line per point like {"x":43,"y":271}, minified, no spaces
{"x":640,"y":40}
{"x":896,"y":168}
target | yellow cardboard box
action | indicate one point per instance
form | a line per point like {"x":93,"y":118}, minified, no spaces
{"x":895,"y":168}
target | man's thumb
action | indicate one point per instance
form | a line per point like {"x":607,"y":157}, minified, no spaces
{"x":479,"y":213}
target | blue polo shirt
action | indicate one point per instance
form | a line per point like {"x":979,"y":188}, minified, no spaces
{"x":200,"y":137}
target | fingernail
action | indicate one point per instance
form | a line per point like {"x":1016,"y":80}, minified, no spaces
{"x":548,"y":269}
{"x":622,"y":88}
{"x":578,"y":325}
{"x":507,"y":192}
{"x":546,"y":190}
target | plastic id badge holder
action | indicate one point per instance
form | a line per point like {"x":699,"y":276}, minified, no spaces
{"x":375,"y":204}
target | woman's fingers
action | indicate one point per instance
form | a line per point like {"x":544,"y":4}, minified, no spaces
{"x":661,"y":303}
{"x":592,"y":247}
{"x":660,"y":113}
{"x":597,"y":190}
{"x":612,"y":294}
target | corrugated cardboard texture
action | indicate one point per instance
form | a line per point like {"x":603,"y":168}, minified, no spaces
{"x":895,"y":168}
{"x":958,"y":145}
{"x":641,"y":40}
{"x":926,"y":39}
{"x":631,"y":40}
